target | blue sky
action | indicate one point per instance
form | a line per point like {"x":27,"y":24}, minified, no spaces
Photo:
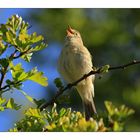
{"x":9,"y":117}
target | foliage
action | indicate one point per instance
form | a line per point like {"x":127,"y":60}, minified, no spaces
{"x":14,"y":35}
{"x":10,"y":104}
{"x":66,"y":120}
{"x":104,"y":69}
{"x":58,"y":83}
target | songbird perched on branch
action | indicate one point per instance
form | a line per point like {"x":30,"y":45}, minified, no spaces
{"x":74,"y":62}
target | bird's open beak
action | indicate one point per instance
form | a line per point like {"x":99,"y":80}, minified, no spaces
{"x":69,"y":31}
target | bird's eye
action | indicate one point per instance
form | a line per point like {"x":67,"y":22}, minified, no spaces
{"x":76,"y":33}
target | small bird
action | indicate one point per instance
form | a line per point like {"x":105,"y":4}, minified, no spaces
{"x":74,"y":62}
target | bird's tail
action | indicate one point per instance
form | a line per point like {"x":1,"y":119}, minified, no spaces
{"x":86,"y":91}
{"x":90,"y":109}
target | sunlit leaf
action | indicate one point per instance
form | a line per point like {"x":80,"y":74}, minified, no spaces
{"x":13,"y":130}
{"x":39,"y":78}
{"x":33,"y":112}
{"x":104,"y":69}
{"x":2,"y":100}
{"x":2,"y":48}
{"x":117,"y":126}
{"x":110,"y":107}
{"x":23,"y":37}
{"x":1,"y":108}
{"x":118,"y":113}
{"x":12,"y":105}
{"x":27,"y":57}
{"x":36,"y":38}
{"x":39,"y":47}
{"x":18,"y":73}
{"x":27,"y":96}
{"x":62,"y":112}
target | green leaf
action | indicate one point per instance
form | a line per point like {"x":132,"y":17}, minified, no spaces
{"x":4,"y":62}
{"x":34,"y":38}
{"x":62,"y":112}
{"x":39,"y":47}
{"x":39,"y":78}
{"x":117,"y":127}
{"x":1,"y":34}
{"x":39,"y":102}
{"x":9,"y":82}
{"x":14,"y":22}
{"x":54,"y":108}
{"x":15,"y":33}
{"x":3,"y":29}
{"x":12,"y":105}
{"x":58,"y":82}
{"x":17,"y":21}
{"x":110,"y":108}
{"x":10,"y":37}
{"x":120,"y":113}
{"x":18,"y":73}
{"x":33,"y":112}
{"x":27,"y":96}
{"x":124,"y":111}
{"x":13,"y":130}
{"x":104,"y":69}
{"x":2,"y":47}
{"x":2,"y":100}
{"x":23,"y":37}
{"x":2,"y":108}
{"x":23,"y":27}
{"x":27,"y":57}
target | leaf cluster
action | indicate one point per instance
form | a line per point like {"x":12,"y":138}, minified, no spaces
{"x":66,"y":120}
{"x":10,"y":104}
{"x":14,"y":35}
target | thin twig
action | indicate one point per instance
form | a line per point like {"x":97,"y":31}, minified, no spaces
{"x":98,"y":71}
{"x":134,"y":62}
{"x":29,"y":27}
{"x":9,"y":85}
{"x":21,"y":54}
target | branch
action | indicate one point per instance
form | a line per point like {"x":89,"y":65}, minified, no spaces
{"x":4,"y":71}
{"x":134,"y":62}
{"x":21,"y":54}
{"x":8,"y":86}
{"x":98,"y":71}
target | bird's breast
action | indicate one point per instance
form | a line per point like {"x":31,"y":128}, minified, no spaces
{"x":75,"y":62}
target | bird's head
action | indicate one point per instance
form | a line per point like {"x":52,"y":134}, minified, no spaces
{"x":73,"y":36}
